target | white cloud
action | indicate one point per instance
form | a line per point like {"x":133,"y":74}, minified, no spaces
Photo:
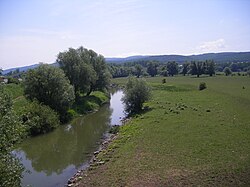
{"x":213,"y":46}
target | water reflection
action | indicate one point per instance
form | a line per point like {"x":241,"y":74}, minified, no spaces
{"x":55,"y":157}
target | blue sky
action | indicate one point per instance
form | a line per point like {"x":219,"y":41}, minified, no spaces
{"x":33,"y":31}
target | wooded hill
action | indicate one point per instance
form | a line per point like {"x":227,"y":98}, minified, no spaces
{"x":217,"y":57}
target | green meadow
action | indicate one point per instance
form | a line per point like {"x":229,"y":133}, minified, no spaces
{"x":185,"y":137}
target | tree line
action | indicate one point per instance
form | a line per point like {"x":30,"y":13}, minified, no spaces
{"x":153,"y":68}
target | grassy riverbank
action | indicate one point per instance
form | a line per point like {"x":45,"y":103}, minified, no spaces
{"x":188,"y":137}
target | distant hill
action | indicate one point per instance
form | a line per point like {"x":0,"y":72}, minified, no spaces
{"x":21,"y":69}
{"x":217,"y":57}
{"x":24,"y":68}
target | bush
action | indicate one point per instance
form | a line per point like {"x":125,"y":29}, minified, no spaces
{"x":13,"y":80}
{"x":50,"y":86}
{"x":227,"y":71}
{"x":163,"y":81}
{"x":202,"y":86}
{"x":11,"y":132}
{"x":39,"y":118}
{"x":136,"y":93}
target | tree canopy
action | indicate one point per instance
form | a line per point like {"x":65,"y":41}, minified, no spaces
{"x":86,"y":70}
{"x":136,"y":93}
{"x":49,"y":86}
{"x":152,"y":68}
{"x":172,"y":68}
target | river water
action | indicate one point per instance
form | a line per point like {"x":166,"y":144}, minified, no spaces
{"x":51,"y":159}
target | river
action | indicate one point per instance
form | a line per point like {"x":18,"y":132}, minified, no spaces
{"x":51,"y":159}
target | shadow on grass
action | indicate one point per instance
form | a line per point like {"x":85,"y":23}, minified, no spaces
{"x":141,"y":112}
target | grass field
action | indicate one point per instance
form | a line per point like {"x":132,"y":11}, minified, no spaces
{"x":187,"y":138}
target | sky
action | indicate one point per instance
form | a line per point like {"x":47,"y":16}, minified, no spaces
{"x":33,"y":31}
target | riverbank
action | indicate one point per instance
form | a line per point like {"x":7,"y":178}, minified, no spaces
{"x":55,"y":157}
{"x":97,"y":156}
{"x":186,"y":138}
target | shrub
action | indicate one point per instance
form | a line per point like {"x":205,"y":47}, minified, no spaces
{"x":227,"y":71}
{"x":11,"y":132}
{"x":136,"y":93}
{"x":202,"y":86}
{"x":39,"y":118}
{"x":50,"y":86}
{"x":163,"y":81}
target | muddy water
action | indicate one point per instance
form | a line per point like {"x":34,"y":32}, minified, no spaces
{"x":51,"y":159}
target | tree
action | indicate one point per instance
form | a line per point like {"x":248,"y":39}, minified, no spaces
{"x":210,"y":68}
{"x":39,"y":118}
{"x":80,"y":74}
{"x":86,"y":70}
{"x":11,"y":132}
{"x":152,"y":68}
{"x":172,"y":68}
{"x":1,"y":71}
{"x":234,"y":67}
{"x":185,"y":68}
{"x":227,"y":71}
{"x":196,"y":68}
{"x":164,"y":71}
{"x":136,"y":93}
{"x":50,"y":86}
{"x":138,"y":70}
{"x":103,"y":76}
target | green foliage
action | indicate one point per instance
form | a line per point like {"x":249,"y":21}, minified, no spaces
{"x":11,"y":132}
{"x":90,"y":102}
{"x":86,"y":70}
{"x":196,"y":68}
{"x":114,"y":129}
{"x":39,"y":119}
{"x":164,"y":71}
{"x":152,"y":68}
{"x":185,"y":68}
{"x":136,"y":93}
{"x":15,"y":90}
{"x":172,"y":68}
{"x":202,"y":86}
{"x":210,"y":67}
{"x":50,"y":86}
{"x":138,"y":70}
{"x":13,"y":80}
{"x":227,"y":71}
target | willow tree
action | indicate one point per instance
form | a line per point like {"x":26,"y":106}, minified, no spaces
{"x":86,"y":70}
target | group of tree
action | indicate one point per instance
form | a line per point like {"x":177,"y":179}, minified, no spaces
{"x":80,"y":72}
{"x":234,"y":67}
{"x":50,"y":91}
{"x":153,"y":68}
{"x":86,"y":70}
{"x":198,"y":68}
